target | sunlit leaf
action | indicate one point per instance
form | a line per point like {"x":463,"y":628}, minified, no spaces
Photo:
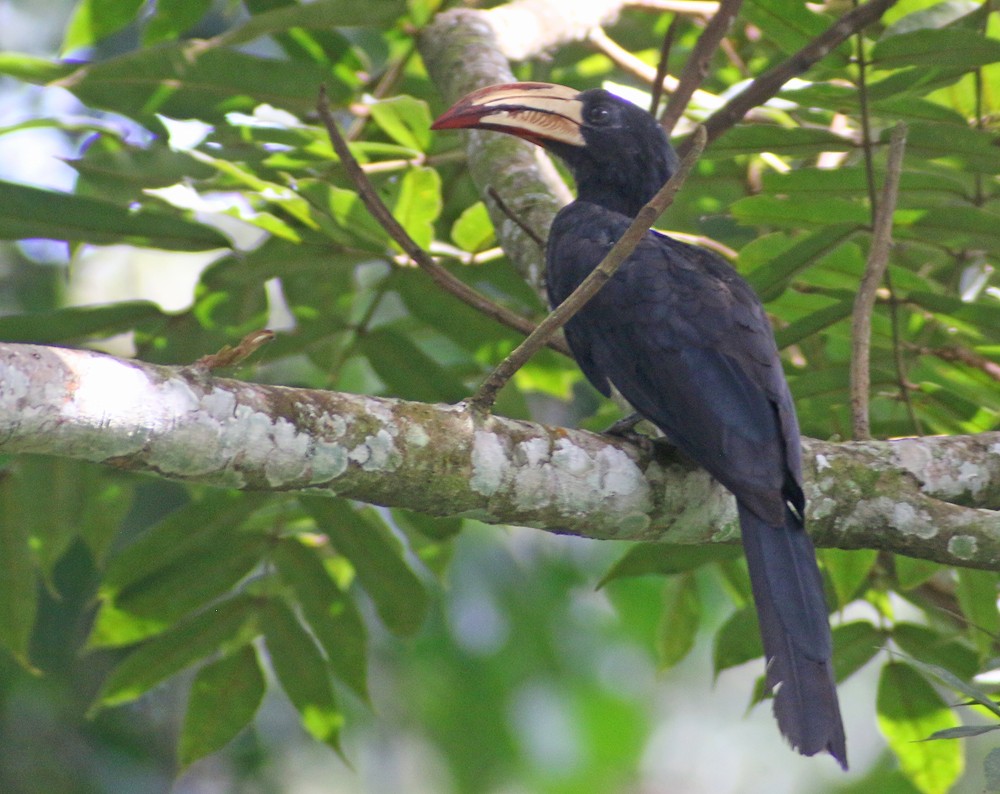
{"x":419,"y":204}
{"x":405,"y":119}
{"x":93,"y":20}
{"x":909,"y":710}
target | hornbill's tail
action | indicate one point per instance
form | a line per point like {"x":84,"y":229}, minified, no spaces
{"x":794,"y":627}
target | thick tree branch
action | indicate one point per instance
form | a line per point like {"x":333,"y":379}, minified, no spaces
{"x":937,"y":498}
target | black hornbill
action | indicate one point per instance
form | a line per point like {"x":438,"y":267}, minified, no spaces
{"x":686,"y":341}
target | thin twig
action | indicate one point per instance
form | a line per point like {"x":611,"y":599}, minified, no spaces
{"x":622,"y":249}
{"x":441,"y":276}
{"x":965,"y":356}
{"x":692,"y":8}
{"x":867,"y":148}
{"x":502,"y":205}
{"x":878,"y":260}
{"x":771,"y":82}
{"x":696,"y":69}
{"x":638,"y":67}
{"x":663,"y":65}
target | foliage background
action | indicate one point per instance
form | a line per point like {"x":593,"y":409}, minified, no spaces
{"x":199,"y":200}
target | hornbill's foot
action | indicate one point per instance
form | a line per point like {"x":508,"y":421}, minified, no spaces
{"x":625,"y":430}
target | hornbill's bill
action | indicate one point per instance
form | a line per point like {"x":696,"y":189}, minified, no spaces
{"x":686,"y":341}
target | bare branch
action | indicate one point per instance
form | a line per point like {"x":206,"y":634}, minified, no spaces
{"x":921,"y":497}
{"x":442,"y":277}
{"x":620,"y":251}
{"x":663,"y":65}
{"x":864,"y":303}
{"x":696,"y":69}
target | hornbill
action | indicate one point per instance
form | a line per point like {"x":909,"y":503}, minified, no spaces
{"x":682,"y":336}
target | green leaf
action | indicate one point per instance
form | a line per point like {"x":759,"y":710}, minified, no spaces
{"x":208,"y":571}
{"x":949,"y":679}
{"x":848,"y":570}
{"x":962,"y":732}
{"x":27,"y":212}
{"x":957,"y":144}
{"x":930,"y":646}
{"x":353,"y":224}
{"x":977,"y":595}
{"x":854,"y":645}
{"x":318,"y":14}
{"x":941,"y":48}
{"x":802,"y":211}
{"x":473,"y":231}
{"x":405,"y":119}
{"x":407,"y":370}
{"x":786,"y":22}
{"x":909,"y":710}
{"x":679,"y":620}
{"x":419,"y":204}
{"x":214,"y":516}
{"x":807,"y":326}
{"x":330,"y":613}
{"x":185,"y":81}
{"x":173,"y":18}
{"x":365,"y":541}
{"x":93,"y":20}
{"x":302,"y":671}
{"x":115,"y":172}
{"x":190,"y":641}
{"x":911,"y":571}
{"x":752,"y":139}
{"x":667,"y":558}
{"x":224,"y":697}
{"x":19,"y":593}
{"x":959,"y":226}
{"x":771,"y":278}
{"x":63,"y":325}
{"x":738,"y":640}
{"x":31,"y":69}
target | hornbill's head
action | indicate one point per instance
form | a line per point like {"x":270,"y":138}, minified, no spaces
{"x":617,"y":152}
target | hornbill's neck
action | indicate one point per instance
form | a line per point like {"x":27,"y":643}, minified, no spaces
{"x":618,"y":154}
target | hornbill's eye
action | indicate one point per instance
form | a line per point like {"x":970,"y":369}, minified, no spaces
{"x":597,"y":114}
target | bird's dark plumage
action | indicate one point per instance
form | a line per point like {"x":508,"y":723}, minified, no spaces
{"x":686,"y":341}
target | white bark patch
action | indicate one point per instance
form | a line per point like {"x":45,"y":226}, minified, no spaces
{"x":963,"y":546}
{"x":377,"y":453}
{"x":901,"y":516}
{"x":417,"y":437}
{"x":822,"y":462}
{"x":488,"y":461}
{"x":945,"y":474}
